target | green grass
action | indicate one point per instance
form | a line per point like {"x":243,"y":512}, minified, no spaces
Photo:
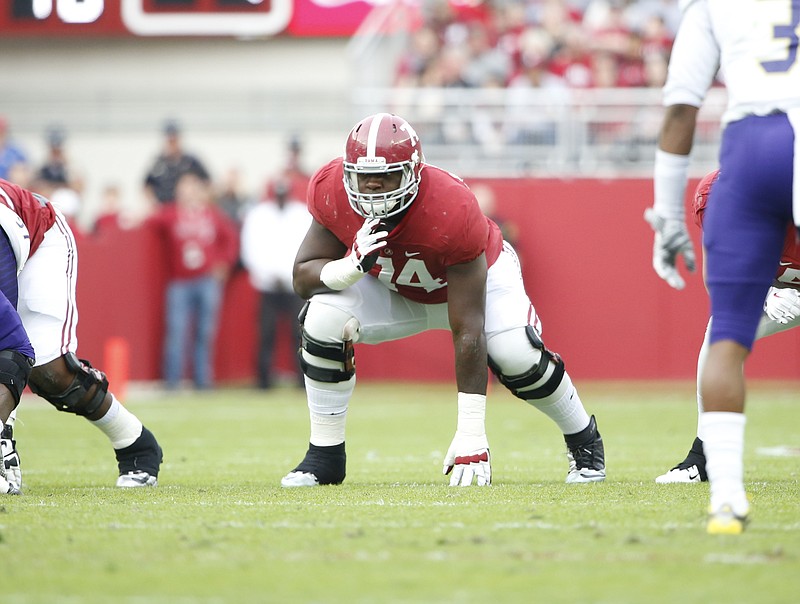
{"x":220,"y":529}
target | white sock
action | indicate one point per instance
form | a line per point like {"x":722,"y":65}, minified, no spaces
{"x":700,"y":411}
{"x":701,"y":363}
{"x":567,"y":410}
{"x":327,"y":404}
{"x":120,"y":425}
{"x":723,"y":445}
{"x":327,"y":430}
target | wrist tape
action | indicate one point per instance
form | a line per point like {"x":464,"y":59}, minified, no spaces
{"x":669,"y":184}
{"x":471,"y":414}
{"x":340,"y":274}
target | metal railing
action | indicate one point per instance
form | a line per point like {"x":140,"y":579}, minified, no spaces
{"x":532,"y":132}
{"x":505,"y":132}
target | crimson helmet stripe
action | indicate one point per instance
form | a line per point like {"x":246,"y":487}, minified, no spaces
{"x":374,"y":130}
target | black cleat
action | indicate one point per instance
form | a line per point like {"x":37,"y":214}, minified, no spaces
{"x":586,"y":455}
{"x":691,"y":469}
{"x":139,"y":463}
{"x":321,"y":465}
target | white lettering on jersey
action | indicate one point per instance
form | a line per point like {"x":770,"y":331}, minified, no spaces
{"x":413,"y":274}
{"x":758,"y":42}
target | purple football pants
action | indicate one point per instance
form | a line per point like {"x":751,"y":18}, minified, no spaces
{"x":745,"y":223}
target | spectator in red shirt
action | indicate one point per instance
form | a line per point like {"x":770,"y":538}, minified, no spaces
{"x":201,"y":245}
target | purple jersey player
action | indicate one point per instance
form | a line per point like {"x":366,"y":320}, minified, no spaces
{"x":753,"y":43}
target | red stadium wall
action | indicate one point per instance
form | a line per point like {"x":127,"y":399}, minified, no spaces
{"x":585,"y":251}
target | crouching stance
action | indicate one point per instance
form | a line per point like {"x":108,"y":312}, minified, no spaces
{"x":398,"y":247}
{"x":46,"y":256}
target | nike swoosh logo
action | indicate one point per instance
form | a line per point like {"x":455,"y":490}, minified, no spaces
{"x":693,"y":476}
{"x":785,"y":263}
{"x":411,"y":254}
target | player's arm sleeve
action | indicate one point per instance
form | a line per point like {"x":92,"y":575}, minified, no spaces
{"x":694,"y":61}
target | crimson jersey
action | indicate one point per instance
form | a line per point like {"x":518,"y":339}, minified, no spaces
{"x":35,"y":211}
{"x":788,"y":274}
{"x":442,"y":227}
{"x":196,"y":240}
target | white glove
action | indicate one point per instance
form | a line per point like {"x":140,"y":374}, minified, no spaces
{"x":344,"y":272}
{"x":671,"y":240}
{"x":468,"y":457}
{"x":367,"y":244}
{"x":782,"y":304}
{"x":10,"y":473}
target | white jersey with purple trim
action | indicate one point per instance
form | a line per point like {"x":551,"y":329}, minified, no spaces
{"x":754,"y":43}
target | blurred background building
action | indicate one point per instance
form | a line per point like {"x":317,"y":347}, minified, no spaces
{"x":495,"y":87}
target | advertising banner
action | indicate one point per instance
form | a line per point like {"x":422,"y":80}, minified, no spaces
{"x":176,"y":18}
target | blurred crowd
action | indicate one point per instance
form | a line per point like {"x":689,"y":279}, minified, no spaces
{"x":56,"y":177}
{"x":209,"y":230}
{"x":540,"y":43}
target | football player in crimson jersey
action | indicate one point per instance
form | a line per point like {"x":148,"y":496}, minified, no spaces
{"x":46,"y":257}
{"x":397,"y":247}
{"x":781,"y":313}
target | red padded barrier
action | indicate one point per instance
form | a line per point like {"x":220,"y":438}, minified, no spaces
{"x":585,"y":251}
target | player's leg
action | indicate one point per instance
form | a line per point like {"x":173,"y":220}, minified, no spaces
{"x":722,"y":426}
{"x":693,"y":466}
{"x":48,"y":311}
{"x":531,"y":372}
{"x":331,"y":324}
{"x":15,"y":368}
{"x":327,"y":360}
{"x":745,"y":227}
{"x":10,"y":467}
{"x":74,"y":386}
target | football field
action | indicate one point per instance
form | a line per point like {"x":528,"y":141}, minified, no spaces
{"x":220,"y":529}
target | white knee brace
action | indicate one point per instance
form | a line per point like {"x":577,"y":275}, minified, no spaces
{"x":327,"y":358}
{"x":521,"y":362}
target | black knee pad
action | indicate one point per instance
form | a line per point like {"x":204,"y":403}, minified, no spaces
{"x":517,"y":383}
{"x":342,"y":353}
{"x":76,"y":398}
{"x":15,"y":369}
